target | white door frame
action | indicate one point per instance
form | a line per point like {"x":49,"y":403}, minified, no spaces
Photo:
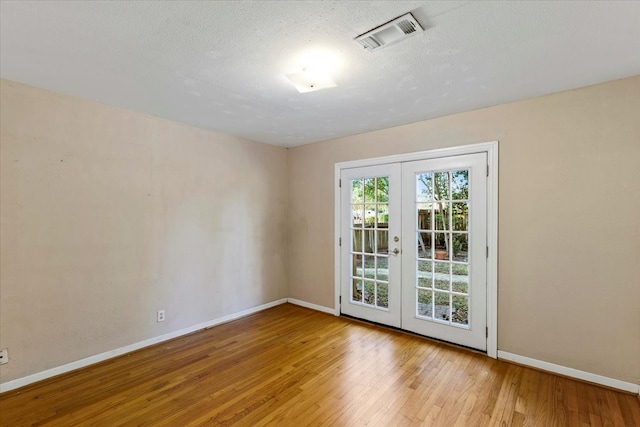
{"x":491,"y":148}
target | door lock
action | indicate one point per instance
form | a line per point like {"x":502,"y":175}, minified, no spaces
{"x":396,"y":251}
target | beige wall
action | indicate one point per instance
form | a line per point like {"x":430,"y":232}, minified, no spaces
{"x":569,"y":232}
{"x":109,"y":215}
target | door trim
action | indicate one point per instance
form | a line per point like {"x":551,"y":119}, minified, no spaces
{"x":491,"y":149}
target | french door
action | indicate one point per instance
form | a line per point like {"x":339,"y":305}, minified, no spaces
{"x":413,"y":251}
{"x":371,"y":260}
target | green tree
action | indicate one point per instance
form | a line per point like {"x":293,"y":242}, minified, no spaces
{"x":370,"y":190}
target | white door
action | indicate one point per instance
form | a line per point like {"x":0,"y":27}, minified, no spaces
{"x":444,"y":251}
{"x":370,"y":249}
{"x":413,"y":251}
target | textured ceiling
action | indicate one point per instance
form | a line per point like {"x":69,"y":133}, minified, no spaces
{"x":220,"y":65}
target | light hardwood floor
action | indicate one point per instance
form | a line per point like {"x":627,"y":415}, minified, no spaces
{"x":290,"y":366}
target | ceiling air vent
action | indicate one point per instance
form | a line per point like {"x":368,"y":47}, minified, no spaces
{"x":392,"y":32}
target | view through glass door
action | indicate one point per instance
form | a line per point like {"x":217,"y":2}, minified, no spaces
{"x":444,"y":255}
{"x":370,"y":249}
{"x":414,"y":243}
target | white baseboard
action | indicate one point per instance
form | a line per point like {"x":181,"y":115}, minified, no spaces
{"x":312,"y":306}
{"x":21,"y":382}
{"x":569,"y":372}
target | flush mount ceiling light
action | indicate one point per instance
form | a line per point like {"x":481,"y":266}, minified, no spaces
{"x":310,"y":79}
{"x":313,"y":69}
{"x":392,"y":32}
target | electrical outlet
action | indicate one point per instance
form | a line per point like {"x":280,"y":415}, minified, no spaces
{"x":4,"y":356}
{"x":161,"y":315}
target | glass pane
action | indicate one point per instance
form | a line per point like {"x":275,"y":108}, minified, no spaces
{"x":442,"y":311}
{"x":383,"y":189}
{"x":460,"y":247}
{"x":425,"y":213}
{"x":442,"y":216}
{"x":383,"y":295}
{"x":441,"y":187}
{"x":442,"y":245}
{"x":442,"y":242}
{"x":424,"y":273}
{"x":441,"y":283}
{"x":460,"y":278}
{"x":460,"y":269}
{"x":423,"y":243}
{"x":369,"y":266}
{"x":369,"y":216}
{"x":382,"y":242}
{"x":442,"y":268}
{"x":383,"y":215}
{"x":460,"y":185}
{"x":356,"y":191}
{"x":382,"y":268}
{"x":424,"y":187}
{"x":460,"y":216}
{"x":357,"y":266}
{"x":369,"y":292}
{"x":425,"y":301}
{"x":357,"y":213}
{"x":460,"y":309}
{"x":356,"y":290}
{"x":369,"y":240}
{"x":356,"y":240}
{"x":370,"y":190}
{"x":460,"y":285}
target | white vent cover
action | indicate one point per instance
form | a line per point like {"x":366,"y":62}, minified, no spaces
{"x":392,"y":32}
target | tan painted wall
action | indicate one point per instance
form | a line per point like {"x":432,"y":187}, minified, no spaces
{"x":109,"y":215}
{"x":569,"y":233}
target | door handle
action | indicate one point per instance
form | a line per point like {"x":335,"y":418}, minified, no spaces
{"x":396,"y":251}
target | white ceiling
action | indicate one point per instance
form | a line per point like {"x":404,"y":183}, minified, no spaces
{"x":220,"y":65}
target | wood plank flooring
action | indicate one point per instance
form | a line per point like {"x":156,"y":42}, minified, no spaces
{"x":290,"y":366}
